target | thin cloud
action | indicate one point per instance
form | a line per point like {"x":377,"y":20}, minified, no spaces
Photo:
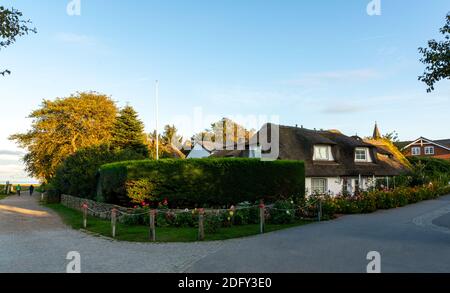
{"x":376,"y":37}
{"x":85,"y":42}
{"x":78,"y":39}
{"x":7,"y":161}
{"x":14,"y":172}
{"x":251,"y":97}
{"x":338,"y":75}
{"x":342,"y":109}
{"x":10,"y":153}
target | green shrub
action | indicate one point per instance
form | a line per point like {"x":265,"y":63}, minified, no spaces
{"x":426,"y":170}
{"x":77,"y":175}
{"x":184,"y":220}
{"x":52,"y":193}
{"x":432,"y":165}
{"x":384,"y":200}
{"x":283,"y":212}
{"x":372,"y":201}
{"x":140,"y":190}
{"x":204,"y":182}
{"x":330,"y":208}
{"x":443,"y":190}
{"x":213,"y":222}
{"x":246,"y":216}
{"x":402,"y":196}
{"x":164,"y":220}
{"x":138,"y":216}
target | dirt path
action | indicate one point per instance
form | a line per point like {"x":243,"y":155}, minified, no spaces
{"x":34,"y":239}
{"x":24,"y":214}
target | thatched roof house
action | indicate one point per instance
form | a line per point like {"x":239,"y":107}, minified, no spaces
{"x":334,"y":162}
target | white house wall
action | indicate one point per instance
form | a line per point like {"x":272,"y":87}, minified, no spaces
{"x":335,"y":185}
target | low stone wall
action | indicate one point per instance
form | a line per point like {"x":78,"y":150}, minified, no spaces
{"x":96,"y":209}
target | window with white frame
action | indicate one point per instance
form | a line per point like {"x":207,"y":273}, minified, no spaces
{"x":429,"y":150}
{"x":323,"y":153}
{"x":319,"y":185}
{"x":415,"y":151}
{"x":362,"y":155}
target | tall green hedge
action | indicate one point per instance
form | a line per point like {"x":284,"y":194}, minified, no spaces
{"x":77,"y":175}
{"x":203,"y":182}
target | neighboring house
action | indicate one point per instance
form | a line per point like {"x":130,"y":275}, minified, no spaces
{"x":201,"y":149}
{"x":335,"y":163}
{"x":423,"y":147}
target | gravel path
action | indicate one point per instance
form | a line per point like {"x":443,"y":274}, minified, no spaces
{"x":33,"y":239}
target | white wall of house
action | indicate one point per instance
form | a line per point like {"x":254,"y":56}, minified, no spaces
{"x":198,"y":152}
{"x":335,"y":185}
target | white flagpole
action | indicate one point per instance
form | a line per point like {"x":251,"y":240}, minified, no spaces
{"x":157,"y":120}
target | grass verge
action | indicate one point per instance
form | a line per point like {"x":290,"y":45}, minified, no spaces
{"x":74,"y":219}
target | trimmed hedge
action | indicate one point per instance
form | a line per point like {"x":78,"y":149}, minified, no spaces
{"x":201,"y":182}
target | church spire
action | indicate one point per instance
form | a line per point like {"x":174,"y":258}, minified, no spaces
{"x":376,"y":132}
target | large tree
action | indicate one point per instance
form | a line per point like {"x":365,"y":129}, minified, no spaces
{"x":166,"y":150}
{"x":63,"y":126}
{"x":128,"y":131}
{"x":437,"y":58}
{"x":225,"y":132}
{"x":12,"y":25}
{"x":171,"y":137}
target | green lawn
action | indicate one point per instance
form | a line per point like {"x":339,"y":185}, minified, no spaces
{"x":2,"y":196}
{"x":74,"y":218}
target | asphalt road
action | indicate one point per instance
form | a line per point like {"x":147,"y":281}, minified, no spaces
{"x":411,"y":239}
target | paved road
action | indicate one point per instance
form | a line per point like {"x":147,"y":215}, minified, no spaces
{"x":411,"y":239}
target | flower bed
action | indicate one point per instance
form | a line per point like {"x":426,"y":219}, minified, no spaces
{"x":369,"y":202}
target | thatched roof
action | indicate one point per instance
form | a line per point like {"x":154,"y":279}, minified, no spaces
{"x":298,"y":144}
{"x":386,"y":147}
{"x":174,"y":152}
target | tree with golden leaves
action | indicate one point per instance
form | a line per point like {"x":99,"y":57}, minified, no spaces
{"x":63,"y":126}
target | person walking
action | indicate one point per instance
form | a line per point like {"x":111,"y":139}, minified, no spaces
{"x":18,"y":189}
{"x":31,"y":190}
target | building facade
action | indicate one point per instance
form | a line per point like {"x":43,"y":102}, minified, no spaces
{"x":423,"y":147}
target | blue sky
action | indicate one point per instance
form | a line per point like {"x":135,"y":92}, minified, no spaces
{"x":321,"y":64}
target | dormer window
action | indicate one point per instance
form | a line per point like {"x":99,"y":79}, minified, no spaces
{"x":323,"y":153}
{"x":362,"y":155}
